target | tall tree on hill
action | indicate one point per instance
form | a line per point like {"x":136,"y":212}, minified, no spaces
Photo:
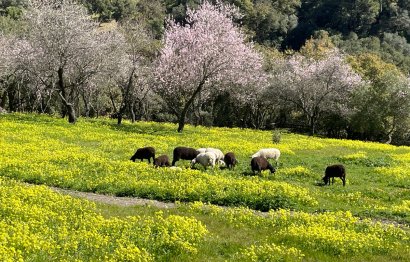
{"x":68,"y":46}
{"x":205,"y":55}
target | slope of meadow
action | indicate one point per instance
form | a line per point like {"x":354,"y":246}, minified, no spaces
{"x":306,"y":221}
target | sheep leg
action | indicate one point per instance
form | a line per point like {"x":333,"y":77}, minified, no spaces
{"x":343,"y":180}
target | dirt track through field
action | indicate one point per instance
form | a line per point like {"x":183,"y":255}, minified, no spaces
{"x":114,"y":200}
{"x":133,"y":201}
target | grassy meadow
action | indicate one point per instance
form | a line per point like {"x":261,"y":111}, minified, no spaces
{"x":217,"y":217}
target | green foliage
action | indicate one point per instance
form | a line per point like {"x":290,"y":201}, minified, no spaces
{"x":276,"y":136}
{"x":270,"y":21}
{"x":384,"y":106}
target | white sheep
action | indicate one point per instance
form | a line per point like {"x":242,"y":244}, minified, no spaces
{"x":218,"y":153}
{"x":201,"y":150}
{"x":268,"y":153}
{"x":205,"y":159}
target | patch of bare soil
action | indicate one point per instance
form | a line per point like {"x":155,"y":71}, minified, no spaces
{"x":114,"y":200}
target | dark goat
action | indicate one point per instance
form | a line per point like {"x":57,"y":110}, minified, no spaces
{"x":144,"y":153}
{"x":230,"y":160}
{"x":259,"y":164}
{"x":335,"y":171}
{"x":161,"y":161}
{"x":184,"y":153}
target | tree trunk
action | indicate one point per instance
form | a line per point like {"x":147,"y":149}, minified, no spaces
{"x":132,"y":112}
{"x":312,"y":127}
{"x":71,"y":113}
{"x":125,"y":98}
{"x":11,"y":97}
{"x":87,"y":107}
{"x":181,"y":123}
{"x":182,"y":116}
{"x":119,"y":118}
{"x":87,"y":110}
{"x":69,"y":108}
{"x":3,"y":100}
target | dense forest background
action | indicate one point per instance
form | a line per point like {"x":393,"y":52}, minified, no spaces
{"x":372,"y":35}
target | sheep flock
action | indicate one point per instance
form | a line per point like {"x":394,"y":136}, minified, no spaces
{"x":212,"y":157}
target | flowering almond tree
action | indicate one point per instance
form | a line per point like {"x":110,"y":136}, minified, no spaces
{"x":205,"y":55}
{"x":67,"y":47}
{"x":316,"y":85}
{"x":133,"y":74}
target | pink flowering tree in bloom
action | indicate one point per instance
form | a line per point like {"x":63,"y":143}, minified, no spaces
{"x":206,"y":55}
{"x":316,"y":85}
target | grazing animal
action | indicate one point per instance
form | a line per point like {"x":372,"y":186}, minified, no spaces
{"x":184,"y":153}
{"x":230,"y":160}
{"x":268,"y":153}
{"x":220,"y":163}
{"x":205,"y":159}
{"x":201,"y":150}
{"x":162,"y":161}
{"x":335,"y":171}
{"x":218,"y":153}
{"x":258,"y":164}
{"x":144,"y":153}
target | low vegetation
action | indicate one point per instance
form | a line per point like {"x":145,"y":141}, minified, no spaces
{"x":366,"y":219}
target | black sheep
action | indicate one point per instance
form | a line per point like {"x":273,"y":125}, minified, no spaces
{"x":230,"y":160}
{"x":184,"y":153}
{"x":161,"y":161}
{"x":259,"y":164}
{"x":335,"y":171}
{"x":144,"y":153}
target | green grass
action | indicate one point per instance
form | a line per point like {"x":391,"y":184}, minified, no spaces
{"x":93,"y":155}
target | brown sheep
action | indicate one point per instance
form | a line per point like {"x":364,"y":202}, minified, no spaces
{"x":258,"y":164}
{"x":335,"y":171}
{"x":185,"y":153}
{"x":144,"y":153}
{"x":230,"y":160}
{"x":162,"y":161}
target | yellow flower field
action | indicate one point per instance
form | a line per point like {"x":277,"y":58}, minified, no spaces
{"x":304,"y":220}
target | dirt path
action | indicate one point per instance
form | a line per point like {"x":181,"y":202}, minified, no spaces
{"x":133,"y":201}
{"x":114,"y":200}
